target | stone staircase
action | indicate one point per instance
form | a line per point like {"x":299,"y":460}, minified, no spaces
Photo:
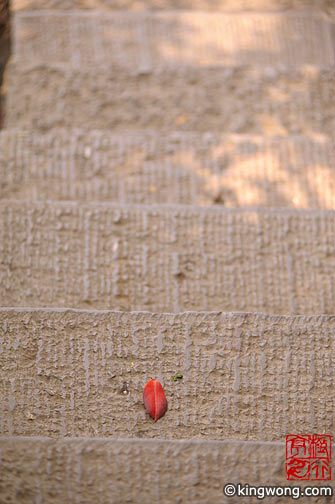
{"x":167,"y":196}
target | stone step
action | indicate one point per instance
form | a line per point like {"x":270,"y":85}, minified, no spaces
{"x":137,"y":5}
{"x":145,"y":41}
{"x":166,"y":258}
{"x":245,"y":375}
{"x":181,"y":168}
{"x":141,"y":471}
{"x":230,"y":100}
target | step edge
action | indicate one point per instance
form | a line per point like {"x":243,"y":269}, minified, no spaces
{"x":168,"y":12}
{"x":189,"y":134}
{"x":170,"y":208}
{"x":186,"y":314}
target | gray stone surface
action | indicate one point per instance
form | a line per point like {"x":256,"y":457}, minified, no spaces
{"x":234,"y":100}
{"x":245,"y":376}
{"x":182,"y":168}
{"x":150,"y":40}
{"x":166,"y":258}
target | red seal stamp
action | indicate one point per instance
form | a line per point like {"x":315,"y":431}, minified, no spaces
{"x":308,"y":457}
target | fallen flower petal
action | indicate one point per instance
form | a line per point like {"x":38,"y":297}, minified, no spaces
{"x":154,"y":399}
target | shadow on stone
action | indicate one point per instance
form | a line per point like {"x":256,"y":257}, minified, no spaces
{"x":5,"y":45}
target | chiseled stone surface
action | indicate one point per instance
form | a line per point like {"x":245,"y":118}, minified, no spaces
{"x":71,"y":381}
{"x":146,"y":471}
{"x":138,"y":5}
{"x":166,"y":258}
{"x":266,"y":101}
{"x":150,"y":40}
{"x":178,"y":168}
{"x":245,"y":376}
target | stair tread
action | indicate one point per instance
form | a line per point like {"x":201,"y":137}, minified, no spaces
{"x":181,"y":168}
{"x":73,"y":376}
{"x":230,"y":100}
{"x":245,"y":375}
{"x":166,"y":257}
{"x":147,"y":40}
{"x":123,"y":470}
{"x":216,"y":5}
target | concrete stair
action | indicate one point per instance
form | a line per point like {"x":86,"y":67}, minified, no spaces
{"x":246,"y":376}
{"x":99,"y":469}
{"x":166,"y":258}
{"x":326,"y":6}
{"x":251,"y":100}
{"x":144,"y":42}
{"x":167,"y":205}
{"x":105,"y":70}
{"x":177,"y":168}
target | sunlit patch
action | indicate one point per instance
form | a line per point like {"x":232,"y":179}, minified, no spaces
{"x":278,"y":95}
{"x":270,"y":125}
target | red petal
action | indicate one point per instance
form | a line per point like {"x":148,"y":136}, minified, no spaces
{"x":154,"y":399}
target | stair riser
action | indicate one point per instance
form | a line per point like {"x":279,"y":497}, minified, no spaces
{"x":119,"y":471}
{"x":166,"y":258}
{"x":245,"y":376}
{"x":147,"y":41}
{"x":221,"y":99}
{"x":179,"y":168}
{"x":139,"y":5}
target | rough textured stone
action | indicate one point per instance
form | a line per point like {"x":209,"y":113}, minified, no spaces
{"x":234,"y":100}
{"x":146,"y":471}
{"x":182,"y":168}
{"x":150,"y":40}
{"x":225,"y":5}
{"x":166,"y":258}
{"x":245,"y":376}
